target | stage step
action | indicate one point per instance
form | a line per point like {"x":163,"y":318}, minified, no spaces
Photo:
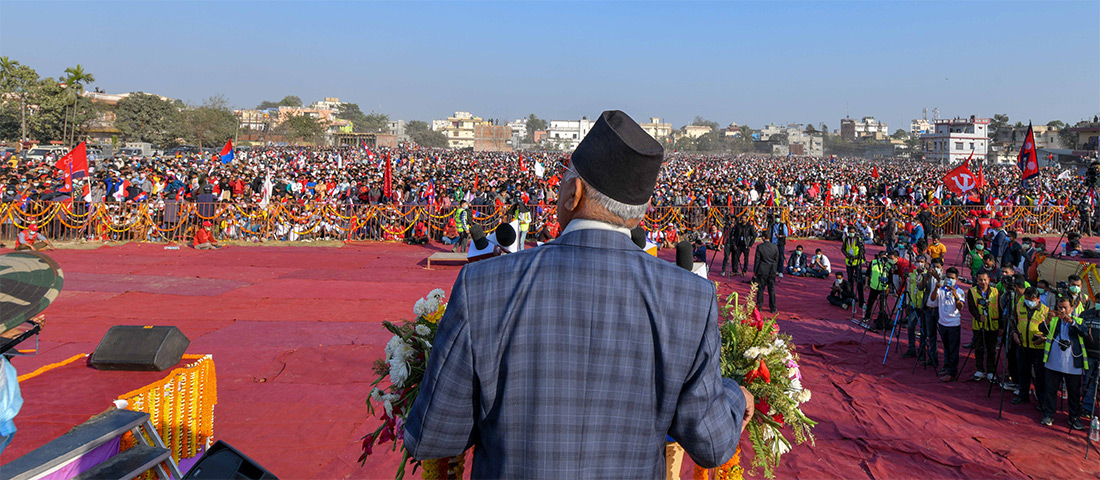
{"x":128,"y":464}
{"x":82,"y":439}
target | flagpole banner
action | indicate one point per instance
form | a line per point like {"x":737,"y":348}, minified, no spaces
{"x":1027,"y":160}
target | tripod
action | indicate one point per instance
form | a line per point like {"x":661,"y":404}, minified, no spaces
{"x":883,"y":304}
{"x":898,"y":308}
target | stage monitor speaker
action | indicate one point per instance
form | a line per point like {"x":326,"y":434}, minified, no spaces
{"x":133,"y":347}
{"x":222,"y":461}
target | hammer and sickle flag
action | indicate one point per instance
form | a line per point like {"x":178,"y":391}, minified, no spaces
{"x":961,"y":179}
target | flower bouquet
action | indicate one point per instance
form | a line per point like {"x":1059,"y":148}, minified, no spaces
{"x":763,"y":361}
{"x":406,"y":360}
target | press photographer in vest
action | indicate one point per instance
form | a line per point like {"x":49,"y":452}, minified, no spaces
{"x":949,"y":301}
{"x":1065,"y":361}
{"x":984,"y":305}
{"x":1030,"y":335}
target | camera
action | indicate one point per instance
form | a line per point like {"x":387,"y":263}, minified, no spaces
{"x":983,"y":302}
{"x":1062,"y":288}
{"x":1063,"y":344}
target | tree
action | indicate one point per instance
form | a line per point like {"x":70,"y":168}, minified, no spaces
{"x":702,"y":122}
{"x":290,"y":101}
{"x":351,"y":111}
{"x":376,"y":123}
{"x":810,"y":129}
{"x":75,"y":79}
{"x":417,"y":126}
{"x":999,"y":122}
{"x":1056,"y":124}
{"x":824,"y":128}
{"x":429,"y":138}
{"x":52,"y":107}
{"x":900,"y":134}
{"x":302,"y":127}
{"x":267,"y":104}
{"x":16,"y":79}
{"x":534,"y":124}
{"x":209,"y":124}
{"x":146,"y":118}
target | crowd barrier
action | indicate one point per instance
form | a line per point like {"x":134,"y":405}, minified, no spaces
{"x":171,"y":221}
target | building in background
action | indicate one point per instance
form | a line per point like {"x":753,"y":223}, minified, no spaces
{"x":329,"y":103}
{"x":867,"y":127}
{"x":953,"y":140}
{"x":492,"y":138}
{"x":696,"y":131}
{"x":459,"y":129}
{"x":732,"y":131}
{"x":920,"y":126}
{"x":439,"y":125}
{"x":657,"y":129}
{"x":519,"y":131}
{"x":567,"y":134}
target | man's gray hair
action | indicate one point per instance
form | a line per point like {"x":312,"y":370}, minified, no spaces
{"x":622,"y":210}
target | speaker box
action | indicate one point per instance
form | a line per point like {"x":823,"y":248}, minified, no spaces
{"x":221,"y":461}
{"x":132,"y":347}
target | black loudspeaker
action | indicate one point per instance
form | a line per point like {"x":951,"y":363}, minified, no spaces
{"x":132,"y":347}
{"x":223,"y":462}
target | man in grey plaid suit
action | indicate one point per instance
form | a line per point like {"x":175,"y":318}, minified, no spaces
{"x":576,"y":359}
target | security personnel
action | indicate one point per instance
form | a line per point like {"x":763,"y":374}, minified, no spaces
{"x":462,"y":225}
{"x":914,"y":302}
{"x":853,"y":261}
{"x":523,"y":216}
{"x":1031,"y":334}
{"x":983,"y":301}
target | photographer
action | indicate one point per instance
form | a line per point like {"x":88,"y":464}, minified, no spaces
{"x":983,"y":302}
{"x":929,"y":326}
{"x":1030,"y":335}
{"x":879,"y":273}
{"x":914,"y":303}
{"x":1078,"y":301}
{"x":1065,"y":360}
{"x":948,"y":298}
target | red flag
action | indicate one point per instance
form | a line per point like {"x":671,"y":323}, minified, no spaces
{"x":1027,"y":160}
{"x":475,"y":181}
{"x":74,"y":163}
{"x":387,"y":178}
{"x":981,"y":177}
{"x":522,"y":166}
{"x":874,"y":173}
{"x":961,"y":179}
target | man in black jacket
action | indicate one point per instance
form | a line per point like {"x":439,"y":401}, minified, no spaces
{"x":764,"y":269}
{"x":841,"y":294}
{"x":729,"y":243}
{"x":743,"y":240}
{"x":1090,"y":328}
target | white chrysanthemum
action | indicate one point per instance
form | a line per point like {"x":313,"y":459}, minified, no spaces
{"x":437,"y":294}
{"x":768,"y":433}
{"x":399,"y":372}
{"x":392,"y":345}
{"x":778,"y":343}
{"x":796,"y":384}
{"x":376,"y":394}
{"x":803,"y":396}
{"x":431,"y":305}
{"x":423,"y":330}
{"x":419,"y":309}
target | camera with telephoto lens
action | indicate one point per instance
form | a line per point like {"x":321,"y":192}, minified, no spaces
{"x":1062,"y":289}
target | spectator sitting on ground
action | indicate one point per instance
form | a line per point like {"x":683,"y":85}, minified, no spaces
{"x":841,"y":294}
{"x":796,"y":265}
{"x":204,"y":240}
{"x":418,"y":235}
{"x":30,"y":239}
{"x":450,"y":232}
{"x":819,"y":265}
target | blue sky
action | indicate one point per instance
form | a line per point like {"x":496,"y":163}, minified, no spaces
{"x":748,"y":62}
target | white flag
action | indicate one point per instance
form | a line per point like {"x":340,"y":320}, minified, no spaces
{"x":1065,"y":175}
{"x":539,"y":170}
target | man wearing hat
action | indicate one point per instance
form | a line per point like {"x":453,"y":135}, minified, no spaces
{"x":30,"y":239}
{"x":597,"y":352}
{"x":204,"y":240}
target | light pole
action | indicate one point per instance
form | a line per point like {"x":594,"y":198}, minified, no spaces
{"x":22,"y":111}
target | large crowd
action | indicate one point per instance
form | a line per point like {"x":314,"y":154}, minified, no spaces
{"x":353,"y":177}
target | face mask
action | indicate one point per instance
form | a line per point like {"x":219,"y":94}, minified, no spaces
{"x":920,"y":267}
{"x":950,"y":282}
{"x":1042,"y":291}
{"x":1075,"y":289}
{"x":939,"y":270}
{"x":1027,"y":245}
{"x":978,"y":247}
{"x":838,"y":281}
{"x":798,"y":253}
{"x":1031,"y":303}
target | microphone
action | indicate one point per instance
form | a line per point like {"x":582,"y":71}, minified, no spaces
{"x":684,"y":257}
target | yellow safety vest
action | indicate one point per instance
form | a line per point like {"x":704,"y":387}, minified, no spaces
{"x":1028,"y":323}
{"x":989,"y":316}
{"x":1050,"y":339}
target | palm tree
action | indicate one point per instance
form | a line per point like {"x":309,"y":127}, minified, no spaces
{"x":76,"y":79}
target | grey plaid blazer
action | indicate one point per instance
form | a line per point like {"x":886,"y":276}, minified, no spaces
{"x":575,"y":360}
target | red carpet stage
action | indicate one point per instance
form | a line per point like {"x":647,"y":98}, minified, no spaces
{"x":294,"y":331}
